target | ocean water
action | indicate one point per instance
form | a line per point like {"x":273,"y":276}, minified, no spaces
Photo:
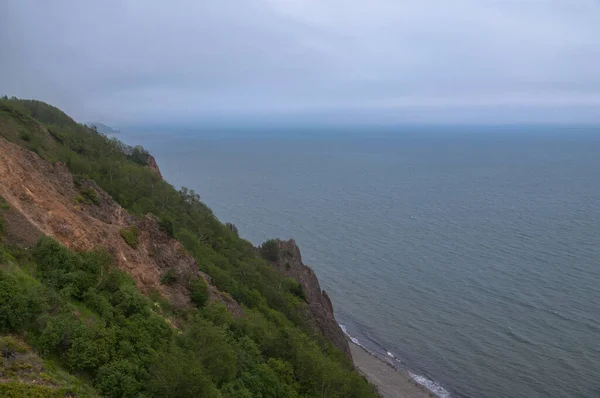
{"x":469,"y":257}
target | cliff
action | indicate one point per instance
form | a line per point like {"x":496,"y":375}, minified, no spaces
{"x":152,"y":165}
{"x":321,"y":316}
{"x":192,"y":307}
{"x":45,"y":199}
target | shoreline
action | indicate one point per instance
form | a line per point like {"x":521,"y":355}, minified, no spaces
{"x":389,"y":381}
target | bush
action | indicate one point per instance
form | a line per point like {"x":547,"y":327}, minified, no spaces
{"x":9,"y":346}
{"x":270,"y":250}
{"x":232,"y":228}
{"x":178,"y":374}
{"x":198,"y":291}
{"x":15,"y":389}
{"x":91,"y":196}
{"x":14,"y":304}
{"x":4,"y":204}
{"x":166,"y":225}
{"x":130,"y":235}
{"x":119,"y":379}
{"x":169,"y":277}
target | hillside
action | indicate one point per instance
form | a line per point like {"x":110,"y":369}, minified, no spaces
{"x":128,"y":287}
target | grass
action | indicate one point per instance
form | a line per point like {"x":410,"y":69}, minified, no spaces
{"x":130,"y":235}
{"x":89,"y":196}
{"x":4,"y":204}
{"x":16,"y":389}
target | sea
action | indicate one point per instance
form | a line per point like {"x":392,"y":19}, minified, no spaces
{"x":468,"y":256}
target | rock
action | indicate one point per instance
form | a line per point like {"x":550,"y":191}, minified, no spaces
{"x":152,"y":165}
{"x":319,"y":304}
{"x":42,"y":198}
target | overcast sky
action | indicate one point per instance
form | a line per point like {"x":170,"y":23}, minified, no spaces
{"x":128,"y":62}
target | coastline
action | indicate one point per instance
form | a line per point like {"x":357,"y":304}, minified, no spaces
{"x":390,"y":382}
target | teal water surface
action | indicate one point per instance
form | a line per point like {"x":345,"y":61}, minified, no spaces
{"x":473,"y":257}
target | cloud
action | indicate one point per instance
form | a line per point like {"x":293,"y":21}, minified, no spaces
{"x":126,"y":61}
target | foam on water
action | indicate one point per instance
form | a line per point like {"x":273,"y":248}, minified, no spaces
{"x":352,"y":339}
{"x":431,"y":385}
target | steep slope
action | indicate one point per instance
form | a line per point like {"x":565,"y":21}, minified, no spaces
{"x":321,"y":314}
{"x":88,"y":192}
{"x":44,"y":199}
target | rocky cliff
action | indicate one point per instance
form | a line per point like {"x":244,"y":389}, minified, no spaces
{"x":152,"y":165}
{"x":45,"y":199}
{"x":319,"y":304}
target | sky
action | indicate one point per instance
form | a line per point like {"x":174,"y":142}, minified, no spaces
{"x":125,"y":62}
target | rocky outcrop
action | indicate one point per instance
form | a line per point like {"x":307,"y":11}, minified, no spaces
{"x":44,"y":199}
{"x":321,"y":314}
{"x":152,"y":165}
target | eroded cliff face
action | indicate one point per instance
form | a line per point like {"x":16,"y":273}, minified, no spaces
{"x":152,"y":165}
{"x":319,"y":304}
{"x":45,"y":199}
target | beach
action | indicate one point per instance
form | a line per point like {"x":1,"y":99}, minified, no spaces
{"x":390,"y":382}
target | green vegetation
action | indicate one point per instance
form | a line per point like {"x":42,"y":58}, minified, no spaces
{"x":4,"y":204}
{"x":198,"y":291}
{"x":21,"y":390}
{"x":88,"y":195}
{"x":270,"y":250}
{"x":169,"y":277}
{"x":78,"y":311}
{"x":130,"y":235}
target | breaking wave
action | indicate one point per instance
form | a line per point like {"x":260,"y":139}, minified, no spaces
{"x":431,"y":385}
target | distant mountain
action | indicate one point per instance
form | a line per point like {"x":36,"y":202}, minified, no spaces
{"x":103,"y":128}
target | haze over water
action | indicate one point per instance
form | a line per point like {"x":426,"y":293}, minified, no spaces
{"x":471,"y":255}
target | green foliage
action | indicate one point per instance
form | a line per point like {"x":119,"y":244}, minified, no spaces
{"x":139,"y":155}
{"x":233,"y":228}
{"x":294,"y":287}
{"x":169,"y":277}
{"x":10,"y":346}
{"x":4,"y":204}
{"x":130,"y":235}
{"x":198,"y":291}
{"x":21,"y":390}
{"x":90,"y":196}
{"x":25,"y":136}
{"x":270,"y":250}
{"x":77,"y":308}
{"x":166,"y":225}
{"x":120,"y":378}
{"x":178,"y":374}
{"x":15,"y":305}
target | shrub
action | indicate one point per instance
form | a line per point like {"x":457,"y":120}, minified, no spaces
{"x":198,"y":291}
{"x":119,"y":379}
{"x":130,"y":235}
{"x":294,"y":287}
{"x":15,"y":389}
{"x":169,"y":277}
{"x":270,"y":250}
{"x":14,"y":304}
{"x":10,"y":346}
{"x":4,"y":204}
{"x":232,"y":228}
{"x":78,"y":199}
{"x":91,"y":196}
{"x":166,"y":225}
